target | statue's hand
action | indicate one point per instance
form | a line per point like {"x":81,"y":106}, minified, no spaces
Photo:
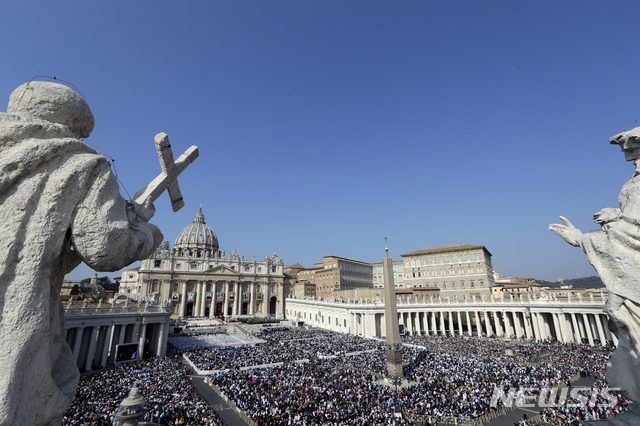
{"x":606,"y":215}
{"x":141,"y":212}
{"x":567,"y":232}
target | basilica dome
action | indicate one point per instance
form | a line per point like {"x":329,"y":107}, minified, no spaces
{"x":197,"y":239}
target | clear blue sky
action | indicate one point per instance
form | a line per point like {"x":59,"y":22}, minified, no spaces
{"x":324,"y":126}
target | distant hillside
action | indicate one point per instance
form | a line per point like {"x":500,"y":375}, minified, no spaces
{"x":587,"y":282}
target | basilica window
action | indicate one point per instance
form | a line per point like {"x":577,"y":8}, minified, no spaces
{"x":156,"y":263}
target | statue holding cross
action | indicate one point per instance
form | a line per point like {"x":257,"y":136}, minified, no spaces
{"x":60,"y":205}
{"x":167,"y":180}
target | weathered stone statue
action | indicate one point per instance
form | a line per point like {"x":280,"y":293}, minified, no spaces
{"x":615,"y":254}
{"x":59,"y":205}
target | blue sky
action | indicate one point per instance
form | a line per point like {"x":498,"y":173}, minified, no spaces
{"x":324,"y":126}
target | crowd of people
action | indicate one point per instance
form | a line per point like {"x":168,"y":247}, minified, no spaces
{"x":445,"y":377}
{"x":171,"y":399}
{"x":317,"y":377}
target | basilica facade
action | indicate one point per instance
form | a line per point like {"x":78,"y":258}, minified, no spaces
{"x":200,"y":280}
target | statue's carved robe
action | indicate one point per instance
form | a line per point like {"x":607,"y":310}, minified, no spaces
{"x":615,"y":254}
{"x":59,"y":204}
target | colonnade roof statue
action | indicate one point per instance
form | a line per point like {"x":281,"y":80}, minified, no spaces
{"x":615,"y":254}
{"x":59,"y":205}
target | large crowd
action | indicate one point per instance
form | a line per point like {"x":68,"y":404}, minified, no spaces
{"x":171,"y":399}
{"x":317,"y":377}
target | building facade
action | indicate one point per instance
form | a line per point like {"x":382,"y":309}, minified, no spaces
{"x":200,"y":280}
{"x":340,"y":273}
{"x":457,"y":271}
{"x":398,"y":274}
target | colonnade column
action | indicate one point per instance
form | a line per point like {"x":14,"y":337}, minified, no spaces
{"x":478,"y":324}
{"x":141,"y":341}
{"x":576,"y":329}
{"x":587,"y":327}
{"x":498,"y":323}
{"x":526,"y":318}
{"x":91,"y":353}
{"x":469,"y":328}
{"x":77,"y":342}
{"x":107,"y":345}
{"x":556,"y":328}
{"x":487,"y":323}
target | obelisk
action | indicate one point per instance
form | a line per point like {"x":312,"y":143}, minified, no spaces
{"x":394,"y":346}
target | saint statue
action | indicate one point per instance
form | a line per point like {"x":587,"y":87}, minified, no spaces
{"x":614,"y":252}
{"x":60,"y":205}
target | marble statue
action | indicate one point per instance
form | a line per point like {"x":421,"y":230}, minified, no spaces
{"x":60,"y":205}
{"x":614,"y":252}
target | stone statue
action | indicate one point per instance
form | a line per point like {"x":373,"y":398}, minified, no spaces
{"x":60,"y":205}
{"x":614,"y":252}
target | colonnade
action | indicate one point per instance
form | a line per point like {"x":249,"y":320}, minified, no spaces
{"x":570,"y":321}
{"x":99,"y":337}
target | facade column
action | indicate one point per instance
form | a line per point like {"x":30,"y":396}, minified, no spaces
{"x":234,"y":305}
{"x":252,"y":301}
{"x":198,"y":301}
{"x":183,"y":299}
{"x":266,"y":295}
{"x":91,"y":353}
{"x":225,"y":304}
{"x":203,"y":298}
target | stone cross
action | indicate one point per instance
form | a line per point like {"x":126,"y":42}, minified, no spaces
{"x":168,"y":178}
